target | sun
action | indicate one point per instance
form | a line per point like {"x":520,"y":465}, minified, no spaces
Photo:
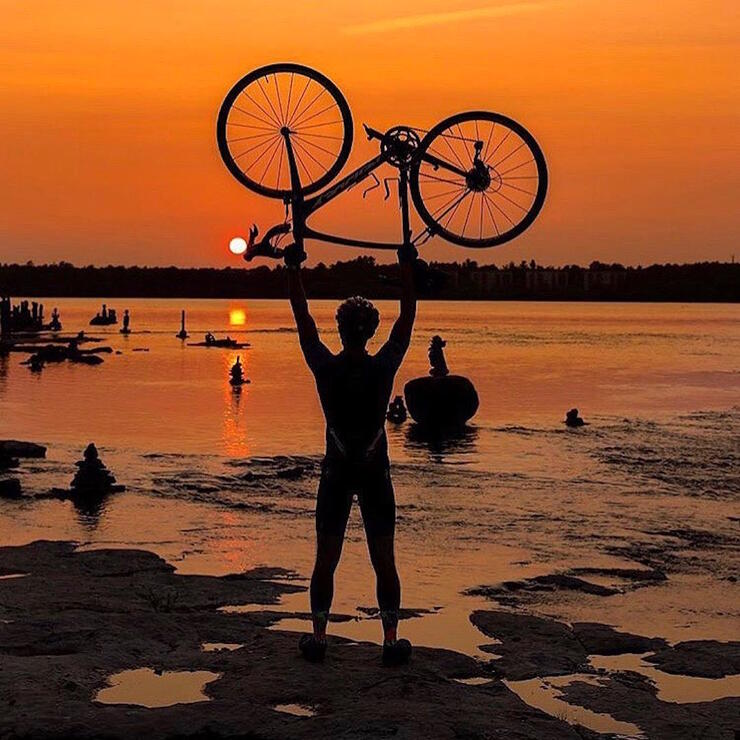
{"x":237,"y":245}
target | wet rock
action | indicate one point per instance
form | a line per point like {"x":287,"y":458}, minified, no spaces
{"x":10,"y":488}
{"x":703,"y":658}
{"x":629,"y":574}
{"x":534,"y":646}
{"x":630,"y":697}
{"x":7,"y":462}
{"x":531,"y":646}
{"x":79,"y":617}
{"x":528,"y":590}
{"x":600,"y":639}
{"x":15,"y":448}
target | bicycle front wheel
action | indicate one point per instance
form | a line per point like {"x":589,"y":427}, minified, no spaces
{"x":270,"y":100}
{"x":478,"y":179}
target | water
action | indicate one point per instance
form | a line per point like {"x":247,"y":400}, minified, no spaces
{"x":219,"y":480}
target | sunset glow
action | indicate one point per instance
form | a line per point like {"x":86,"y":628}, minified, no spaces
{"x":635,"y":105}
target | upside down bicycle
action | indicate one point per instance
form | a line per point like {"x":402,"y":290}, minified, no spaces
{"x":476,"y":179}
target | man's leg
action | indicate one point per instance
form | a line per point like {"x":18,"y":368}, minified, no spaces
{"x":388,"y":584}
{"x":333,"y":504}
{"x":378,"y":505}
{"x":328,"y":552}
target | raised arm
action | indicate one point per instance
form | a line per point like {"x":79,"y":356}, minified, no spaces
{"x":314,"y":350}
{"x":400,"y":336}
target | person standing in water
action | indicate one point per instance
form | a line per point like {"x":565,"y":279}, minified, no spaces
{"x":354,"y":388}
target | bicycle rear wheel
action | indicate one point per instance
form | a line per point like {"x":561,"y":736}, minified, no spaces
{"x":478,"y":179}
{"x":277,"y":97}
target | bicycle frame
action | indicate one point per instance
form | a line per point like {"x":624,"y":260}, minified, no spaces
{"x":302,"y":208}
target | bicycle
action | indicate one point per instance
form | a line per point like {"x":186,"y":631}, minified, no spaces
{"x":285,"y":131}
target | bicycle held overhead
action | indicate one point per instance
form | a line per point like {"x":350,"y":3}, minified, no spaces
{"x":476,"y":179}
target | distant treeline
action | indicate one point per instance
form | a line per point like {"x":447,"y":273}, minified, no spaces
{"x":703,"y":281}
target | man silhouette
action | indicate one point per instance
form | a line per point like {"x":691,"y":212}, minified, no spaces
{"x":354,"y":388}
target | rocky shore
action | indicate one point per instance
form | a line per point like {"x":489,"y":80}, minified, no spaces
{"x":72,"y":620}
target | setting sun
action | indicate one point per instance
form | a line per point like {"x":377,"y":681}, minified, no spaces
{"x":237,"y":245}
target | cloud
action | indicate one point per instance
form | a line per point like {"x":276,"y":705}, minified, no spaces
{"x":455,"y":16}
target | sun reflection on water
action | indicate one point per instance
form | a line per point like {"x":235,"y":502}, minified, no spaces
{"x":237,"y":317}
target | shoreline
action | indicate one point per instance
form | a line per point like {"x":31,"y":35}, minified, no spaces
{"x":78,"y":618}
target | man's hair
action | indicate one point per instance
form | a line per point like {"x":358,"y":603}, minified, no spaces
{"x":357,"y":320}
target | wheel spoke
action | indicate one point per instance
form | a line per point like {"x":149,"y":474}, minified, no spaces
{"x":480,"y":225}
{"x":440,"y":212}
{"x":470,"y":208}
{"x":513,"y":202}
{"x":454,"y":153}
{"x":493,"y":218}
{"x":249,"y":125}
{"x":269,"y":162}
{"x":277,"y":143}
{"x":488,"y":143}
{"x":319,"y":125}
{"x":290,"y":93}
{"x":269,"y":102}
{"x":280,"y":102}
{"x":514,"y":187}
{"x":273,"y":122}
{"x":511,"y":153}
{"x":498,"y":146}
{"x":314,"y":144}
{"x":308,"y":154}
{"x":463,"y":139}
{"x":251,"y":115}
{"x":454,"y":210}
{"x":314,"y":115}
{"x":298,"y":104}
{"x":320,"y":136}
{"x":252,"y":136}
{"x":495,"y":205}
{"x":307,"y":108}
{"x":267,"y":144}
{"x":441,"y":195}
{"x":501,"y":174}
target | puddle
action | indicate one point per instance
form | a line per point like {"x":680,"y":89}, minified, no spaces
{"x":215,"y":647}
{"x":144,"y":687}
{"x":297,"y":710}
{"x":8,"y":576}
{"x":544,"y":694}
{"x":449,"y":627}
{"x":474,"y":681}
{"x":671,"y":688}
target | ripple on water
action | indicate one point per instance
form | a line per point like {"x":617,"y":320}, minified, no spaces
{"x":147,"y":688}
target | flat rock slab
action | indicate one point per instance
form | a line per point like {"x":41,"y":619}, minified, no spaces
{"x":78,"y":617}
{"x":630,"y":697}
{"x":532,"y":646}
{"x":701,"y":658}
{"x":16,"y":448}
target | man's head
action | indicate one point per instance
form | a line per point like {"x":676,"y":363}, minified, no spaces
{"x":357,"y":320}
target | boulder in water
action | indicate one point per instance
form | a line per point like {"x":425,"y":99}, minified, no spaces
{"x":10,"y":488}
{"x":441,"y":400}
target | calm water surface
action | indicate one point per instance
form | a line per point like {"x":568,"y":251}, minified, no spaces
{"x":219,"y":481}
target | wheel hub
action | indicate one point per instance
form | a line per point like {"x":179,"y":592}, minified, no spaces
{"x":478,"y":178}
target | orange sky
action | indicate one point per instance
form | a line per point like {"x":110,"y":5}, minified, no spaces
{"x":108,"y":147}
